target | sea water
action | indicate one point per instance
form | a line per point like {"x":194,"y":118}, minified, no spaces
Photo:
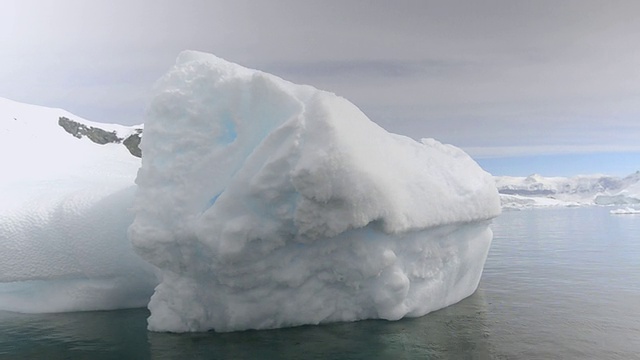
{"x":558,"y":284}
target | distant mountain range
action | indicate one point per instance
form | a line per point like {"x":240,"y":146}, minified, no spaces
{"x":540,"y":191}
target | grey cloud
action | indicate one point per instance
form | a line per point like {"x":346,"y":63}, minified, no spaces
{"x":472,"y":73}
{"x":366,"y":69}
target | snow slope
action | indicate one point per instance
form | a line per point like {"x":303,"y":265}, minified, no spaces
{"x":63,"y":216}
{"x":270,"y":204}
{"x":539,"y":191}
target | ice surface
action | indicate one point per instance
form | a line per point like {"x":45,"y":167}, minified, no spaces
{"x":64,"y":215}
{"x":269,"y":204}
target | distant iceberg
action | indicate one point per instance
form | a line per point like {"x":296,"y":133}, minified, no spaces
{"x":268,"y":204}
{"x":625,"y":211}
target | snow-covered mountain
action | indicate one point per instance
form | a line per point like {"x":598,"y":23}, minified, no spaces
{"x":537,"y":191}
{"x":66,"y":190}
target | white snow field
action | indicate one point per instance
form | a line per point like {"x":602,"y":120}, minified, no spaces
{"x":64,"y":212}
{"x":268,"y":204}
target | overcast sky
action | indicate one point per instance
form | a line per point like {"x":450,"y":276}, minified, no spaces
{"x":497,"y":78}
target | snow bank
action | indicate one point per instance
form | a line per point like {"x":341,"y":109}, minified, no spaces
{"x":270,"y":204}
{"x":64,"y":214}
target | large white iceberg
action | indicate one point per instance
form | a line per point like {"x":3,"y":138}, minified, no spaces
{"x":64,"y":212}
{"x":268,"y":204}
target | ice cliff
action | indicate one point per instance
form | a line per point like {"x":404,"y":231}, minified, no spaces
{"x":268,"y":204}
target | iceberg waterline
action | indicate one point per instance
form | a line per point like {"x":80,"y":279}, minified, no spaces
{"x":269,"y":204}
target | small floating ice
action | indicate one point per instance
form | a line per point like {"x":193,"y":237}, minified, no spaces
{"x":625,"y":211}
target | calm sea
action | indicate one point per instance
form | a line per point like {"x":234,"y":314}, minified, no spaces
{"x":558,"y":284}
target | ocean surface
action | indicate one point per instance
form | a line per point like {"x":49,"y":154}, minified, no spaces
{"x":558,"y":284}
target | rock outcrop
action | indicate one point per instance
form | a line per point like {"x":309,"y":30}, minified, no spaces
{"x":102,"y":137}
{"x":132,"y":143}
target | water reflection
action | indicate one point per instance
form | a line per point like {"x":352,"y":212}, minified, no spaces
{"x":82,"y":335}
{"x":563,"y":283}
{"x":458,"y":332}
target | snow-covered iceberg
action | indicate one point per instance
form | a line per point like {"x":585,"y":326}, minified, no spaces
{"x":268,"y":204}
{"x":64,"y":215}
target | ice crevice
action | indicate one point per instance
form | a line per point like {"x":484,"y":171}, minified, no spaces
{"x":319,"y":214}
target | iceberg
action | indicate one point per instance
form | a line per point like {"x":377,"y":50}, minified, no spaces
{"x":64,"y":214}
{"x":268,"y":204}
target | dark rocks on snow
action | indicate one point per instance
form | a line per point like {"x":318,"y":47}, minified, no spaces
{"x":133,"y":143}
{"x":100,"y":136}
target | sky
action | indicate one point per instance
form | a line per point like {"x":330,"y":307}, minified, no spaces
{"x":546,"y":86}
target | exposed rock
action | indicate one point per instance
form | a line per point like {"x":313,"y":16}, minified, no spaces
{"x":96,"y":135}
{"x":133,"y":143}
{"x":100,"y":136}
